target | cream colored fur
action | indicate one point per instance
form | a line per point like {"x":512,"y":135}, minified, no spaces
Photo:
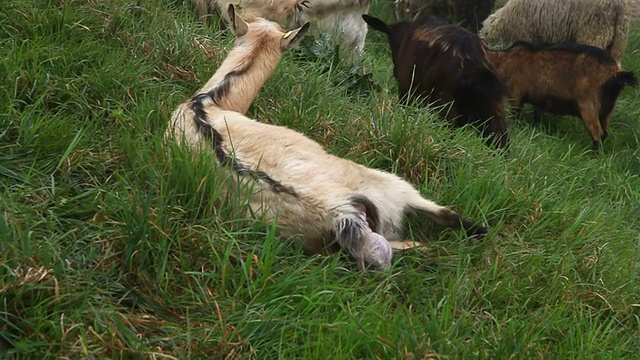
{"x":249,"y":54}
{"x":319,"y":204}
{"x":324,"y":182}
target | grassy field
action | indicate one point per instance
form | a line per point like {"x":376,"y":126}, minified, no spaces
{"x":115,"y":246}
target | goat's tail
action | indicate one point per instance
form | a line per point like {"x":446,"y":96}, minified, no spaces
{"x":625,"y":78}
{"x":445,"y":216}
{"x":611,"y":90}
{"x":614,"y":85}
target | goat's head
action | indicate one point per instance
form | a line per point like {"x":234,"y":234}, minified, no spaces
{"x":258,"y":30}
{"x":395,"y":32}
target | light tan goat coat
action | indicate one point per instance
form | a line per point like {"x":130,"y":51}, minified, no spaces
{"x":315,"y":196}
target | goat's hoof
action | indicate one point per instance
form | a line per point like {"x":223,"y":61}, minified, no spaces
{"x":477,"y":232}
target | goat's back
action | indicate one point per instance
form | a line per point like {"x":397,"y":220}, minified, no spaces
{"x":316,"y":181}
{"x":563,"y":71}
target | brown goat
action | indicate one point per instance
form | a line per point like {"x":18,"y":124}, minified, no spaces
{"x":565,"y":79}
{"x":441,"y":63}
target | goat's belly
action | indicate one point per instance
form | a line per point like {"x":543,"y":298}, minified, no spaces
{"x":555,"y":105}
{"x":296,"y":217}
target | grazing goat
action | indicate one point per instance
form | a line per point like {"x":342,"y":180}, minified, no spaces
{"x":328,"y":202}
{"x":341,"y":19}
{"x":571,"y":79}
{"x":444,"y":63}
{"x":601,"y":23}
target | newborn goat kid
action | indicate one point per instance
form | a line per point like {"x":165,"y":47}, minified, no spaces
{"x":324,"y":200}
{"x":565,"y":79}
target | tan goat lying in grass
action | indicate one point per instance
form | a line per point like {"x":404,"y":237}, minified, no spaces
{"x":326,"y":201}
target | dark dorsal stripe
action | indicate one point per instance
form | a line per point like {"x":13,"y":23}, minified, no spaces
{"x":217,"y":93}
{"x":200,"y":118}
{"x":602,"y":55}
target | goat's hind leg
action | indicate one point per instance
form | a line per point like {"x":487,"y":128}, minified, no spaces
{"x":447,"y":217}
{"x":591,"y":121}
{"x":604,"y":124}
{"x":607,"y":103}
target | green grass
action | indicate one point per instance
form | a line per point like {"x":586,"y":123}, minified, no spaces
{"x":115,"y":246}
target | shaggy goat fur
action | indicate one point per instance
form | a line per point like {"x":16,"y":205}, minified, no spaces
{"x":571,"y":79}
{"x":600,"y":23}
{"x":324,"y":200}
{"x":634,"y":11}
{"x":442,"y":63}
{"x":340,"y":19}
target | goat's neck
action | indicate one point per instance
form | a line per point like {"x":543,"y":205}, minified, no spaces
{"x":240,"y":77}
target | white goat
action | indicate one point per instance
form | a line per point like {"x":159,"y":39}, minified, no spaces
{"x":326,"y":201}
{"x":340,"y":19}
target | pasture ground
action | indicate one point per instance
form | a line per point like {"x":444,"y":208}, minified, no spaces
{"x":113,"y":246}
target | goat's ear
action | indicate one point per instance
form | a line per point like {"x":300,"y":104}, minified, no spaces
{"x":238,"y":25}
{"x":292,"y":37}
{"x":376,"y":24}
